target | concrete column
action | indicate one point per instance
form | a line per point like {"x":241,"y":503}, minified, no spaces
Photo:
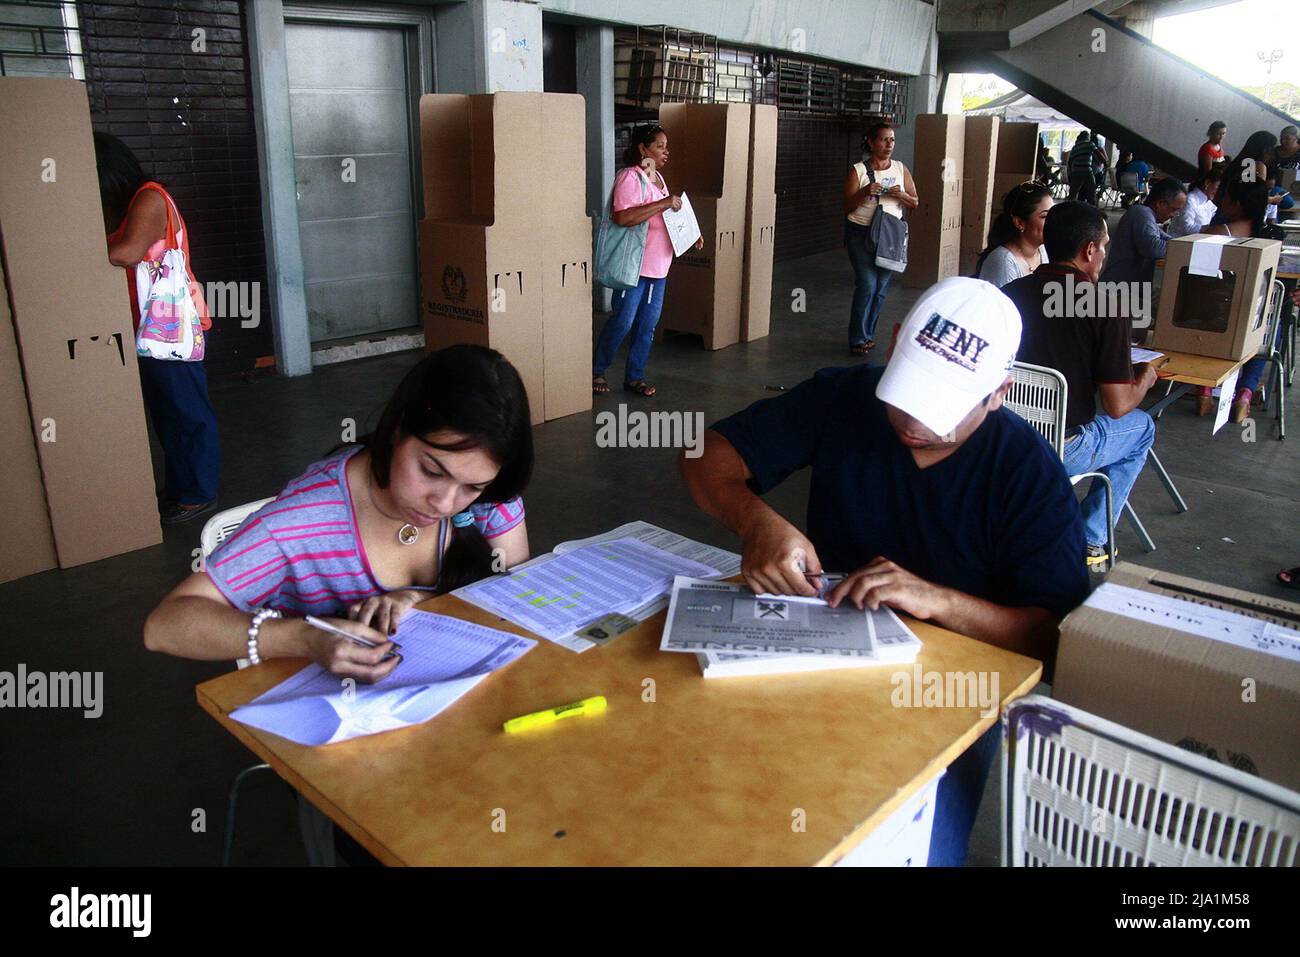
{"x":923,"y":92}
{"x":595,"y":61}
{"x":1138,"y":17}
{"x":485,"y":46}
{"x":284,"y":270}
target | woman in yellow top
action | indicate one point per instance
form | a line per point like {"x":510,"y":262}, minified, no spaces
{"x":891,"y":191}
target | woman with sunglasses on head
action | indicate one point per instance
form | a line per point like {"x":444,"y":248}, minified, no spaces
{"x":877,"y":183}
{"x":1015,"y":246}
{"x":427,"y":502}
{"x":640,"y":195}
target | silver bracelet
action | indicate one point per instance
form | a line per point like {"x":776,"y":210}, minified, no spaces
{"x":259,"y":616}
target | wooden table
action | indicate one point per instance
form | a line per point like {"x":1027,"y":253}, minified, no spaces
{"x":706,"y":773}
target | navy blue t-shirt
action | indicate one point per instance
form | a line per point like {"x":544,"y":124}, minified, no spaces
{"x":996,"y":519}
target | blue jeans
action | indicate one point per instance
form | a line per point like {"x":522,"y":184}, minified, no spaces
{"x":958,"y":799}
{"x":176,"y":395}
{"x":1118,"y":449}
{"x":1253,"y":370}
{"x":637,"y":309}
{"x":869,"y":283}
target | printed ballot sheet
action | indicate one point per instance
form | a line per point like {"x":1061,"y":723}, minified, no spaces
{"x":683,"y":228}
{"x":713,"y":616}
{"x":560,"y":597}
{"x":442,"y":658}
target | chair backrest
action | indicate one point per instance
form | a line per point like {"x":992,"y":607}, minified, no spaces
{"x":222,"y":525}
{"x":1078,"y":790}
{"x":1038,"y":395}
{"x":1273,"y":317}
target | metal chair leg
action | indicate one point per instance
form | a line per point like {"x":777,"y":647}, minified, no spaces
{"x":1278,"y":380}
{"x":232,"y":804}
{"x":1166,"y":481}
{"x":1110,"y":508}
{"x":1138,"y":527}
{"x":1169,"y":387}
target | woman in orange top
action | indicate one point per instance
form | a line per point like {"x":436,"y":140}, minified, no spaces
{"x":136,"y":217}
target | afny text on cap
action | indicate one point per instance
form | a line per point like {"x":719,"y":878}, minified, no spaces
{"x":955,"y":347}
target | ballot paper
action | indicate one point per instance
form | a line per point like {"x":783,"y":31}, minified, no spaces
{"x":560,"y":598}
{"x":1224,"y":395}
{"x":726,"y":617}
{"x":442,"y":658}
{"x":1138,"y":354}
{"x":683,"y":229}
{"x":1206,"y":254}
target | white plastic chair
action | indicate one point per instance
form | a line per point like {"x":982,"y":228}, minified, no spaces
{"x":1038,"y":395}
{"x":217,"y":529}
{"x":1078,"y":790}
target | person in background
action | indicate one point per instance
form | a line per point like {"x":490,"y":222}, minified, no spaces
{"x":1139,"y":238}
{"x":892,"y":191}
{"x":1251,"y":165}
{"x":1092,"y":352}
{"x":1100,"y":163}
{"x":1047,"y":172}
{"x":1015,"y":245}
{"x":137,"y":212}
{"x":1245,"y":212}
{"x":1200,"y":207}
{"x":1083,"y":156}
{"x":1211,"y":152}
{"x":1132,"y":175}
{"x":1287,"y":154}
{"x":930,"y":496}
{"x":640,"y":195}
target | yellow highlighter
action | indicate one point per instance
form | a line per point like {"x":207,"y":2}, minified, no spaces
{"x":537,"y":719}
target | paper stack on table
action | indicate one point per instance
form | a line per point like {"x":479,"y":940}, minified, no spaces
{"x":735,"y":632}
{"x":442,"y":658}
{"x":590,"y":593}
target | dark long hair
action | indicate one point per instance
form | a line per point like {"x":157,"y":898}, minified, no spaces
{"x":120,"y":176}
{"x":641,"y":136}
{"x":1019,"y":201}
{"x":475,"y":391}
{"x":1258,"y":148}
{"x":1252,"y":198}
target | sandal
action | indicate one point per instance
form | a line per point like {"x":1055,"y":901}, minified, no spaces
{"x":1292,"y":577}
{"x":640,"y":387}
{"x":863,"y":348}
{"x":599,"y":385}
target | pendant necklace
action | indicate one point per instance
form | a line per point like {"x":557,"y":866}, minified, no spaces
{"x":408,"y":534}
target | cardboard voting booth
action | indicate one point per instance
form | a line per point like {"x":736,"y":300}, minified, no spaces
{"x":505,"y":251}
{"x":979,"y":205}
{"x":709,"y":147}
{"x":1212,"y":669}
{"x":934,"y":234}
{"x":760,"y":225}
{"x":1214,"y":295}
{"x":78,"y":479}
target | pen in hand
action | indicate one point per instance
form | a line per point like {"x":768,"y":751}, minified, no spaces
{"x":355,"y":639}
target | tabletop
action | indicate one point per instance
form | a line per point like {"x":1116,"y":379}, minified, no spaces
{"x":1192,"y":369}
{"x":677,"y":771}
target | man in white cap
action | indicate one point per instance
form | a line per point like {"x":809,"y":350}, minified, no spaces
{"x":925,"y":493}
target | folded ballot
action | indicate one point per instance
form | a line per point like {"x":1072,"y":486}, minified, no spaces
{"x":442,"y":658}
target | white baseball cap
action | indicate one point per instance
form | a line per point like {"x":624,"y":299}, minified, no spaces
{"x":955,"y":347}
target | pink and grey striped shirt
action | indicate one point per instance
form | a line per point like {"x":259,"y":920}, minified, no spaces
{"x":302,"y":554}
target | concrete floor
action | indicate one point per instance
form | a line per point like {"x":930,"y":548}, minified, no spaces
{"x":127,"y":787}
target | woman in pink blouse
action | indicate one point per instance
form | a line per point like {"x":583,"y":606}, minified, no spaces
{"x":640,"y":195}
{"x":427,"y":502}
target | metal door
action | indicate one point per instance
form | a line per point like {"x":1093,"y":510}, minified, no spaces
{"x":350,"y":106}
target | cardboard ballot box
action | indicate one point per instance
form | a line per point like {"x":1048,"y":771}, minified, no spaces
{"x":1208,"y":668}
{"x":78,"y":481}
{"x":709,"y":147}
{"x":505,"y":252}
{"x":1214,"y":295}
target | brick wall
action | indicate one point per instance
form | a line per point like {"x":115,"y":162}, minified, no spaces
{"x":188,"y":117}
{"x":812,"y":158}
